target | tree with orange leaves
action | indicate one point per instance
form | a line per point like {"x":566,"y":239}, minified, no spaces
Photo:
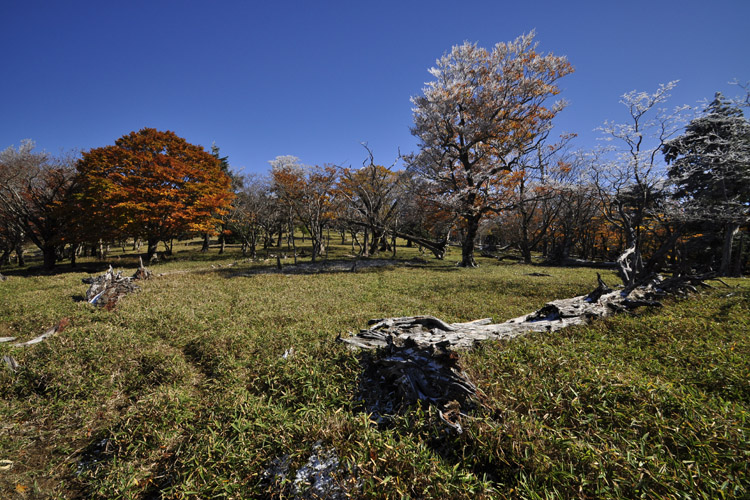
{"x":485,"y":111}
{"x":308,"y":193}
{"x":154,"y":185}
{"x":373,"y":195}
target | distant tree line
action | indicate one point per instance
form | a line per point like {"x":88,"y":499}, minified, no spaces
{"x":488,"y":175}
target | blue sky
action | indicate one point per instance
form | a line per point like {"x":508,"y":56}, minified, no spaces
{"x":315,"y":79}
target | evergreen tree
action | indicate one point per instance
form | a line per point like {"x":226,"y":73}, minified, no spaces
{"x":710,"y":169}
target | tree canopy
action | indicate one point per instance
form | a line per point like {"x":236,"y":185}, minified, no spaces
{"x":155,"y":185}
{"x":485,"y":110}
{"x":34,"y":191}
{"x":710,"y":169}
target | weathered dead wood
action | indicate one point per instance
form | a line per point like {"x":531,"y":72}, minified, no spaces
{"x":59,"y":327}
{"x":106,"y":290}
{"x":572,"y":262}
{"x":11,"y":363}
{"x":142,"y":273}
{"x":599,"y":303}
{"x":413,"y":358}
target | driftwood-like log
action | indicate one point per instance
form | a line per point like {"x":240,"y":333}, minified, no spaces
{"x":412,"y":358}
{"x":599,"y":303}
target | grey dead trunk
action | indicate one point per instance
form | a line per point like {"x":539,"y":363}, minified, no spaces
{"x":726,"y":251}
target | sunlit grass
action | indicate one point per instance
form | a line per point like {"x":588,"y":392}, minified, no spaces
{"x":183,"y":389}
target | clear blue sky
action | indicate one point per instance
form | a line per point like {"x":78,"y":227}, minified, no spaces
{"x":314,"y":79}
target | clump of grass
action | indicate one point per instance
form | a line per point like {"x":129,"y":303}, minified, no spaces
{"x":183,"y":390}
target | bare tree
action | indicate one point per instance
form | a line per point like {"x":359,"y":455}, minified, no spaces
{"x":372,"y":194}
{"x":540,"y":172}
{"x":34,"y":190}
{"x":308,"y":192}
{"x":630,"y":175}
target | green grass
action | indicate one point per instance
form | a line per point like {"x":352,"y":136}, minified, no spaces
{"x":182,"y":391}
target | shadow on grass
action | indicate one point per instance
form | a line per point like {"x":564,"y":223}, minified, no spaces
{"x":85,"y":267}
{"x":333,"y":266}
{"x":378,"y":395}
{"x":736,"y":298}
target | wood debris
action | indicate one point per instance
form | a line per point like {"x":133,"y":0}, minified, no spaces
{"x":11,"y":363}
{"x":53,"y":330}
{"x":600,"y":303}
{"x":106,"y":290}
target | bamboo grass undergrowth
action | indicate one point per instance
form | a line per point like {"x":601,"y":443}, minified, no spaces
{"x":183,"y":390}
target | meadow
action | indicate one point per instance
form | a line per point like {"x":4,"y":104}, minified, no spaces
{"x":214,"y":374}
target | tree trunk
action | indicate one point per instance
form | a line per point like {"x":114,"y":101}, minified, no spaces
{"x":294,"y":245}
{"x":525,"y":247}
{"x":152,"y":244}
{"x":73,"y":252}
{"x":253,"y":244}
{"x":19,"y":255}
{"x":467,"y":245}
{"x":50,"y":256}
{"x":525,"y":251}
{"x":318,"y":243}
{"x":726,"y":251}
{"x":375,"y":243}
{"x":206,"y":241}
{"x":5,"y":257}
{"x":737,"y":266}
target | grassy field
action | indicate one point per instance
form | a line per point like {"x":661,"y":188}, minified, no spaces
{"x":183,"y":391}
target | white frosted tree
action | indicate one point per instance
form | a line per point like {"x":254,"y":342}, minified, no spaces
{"x":483,"y":113}
{"x":630,"y":174}
{"x":710,"y":168}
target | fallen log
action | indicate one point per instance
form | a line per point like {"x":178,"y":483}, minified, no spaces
{"x":599,"y":303}
{"x":413,"y":358}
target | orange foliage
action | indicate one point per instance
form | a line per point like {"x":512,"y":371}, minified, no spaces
{"x":153,"y":184}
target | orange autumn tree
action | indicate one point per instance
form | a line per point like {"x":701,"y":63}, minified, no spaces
{"x":485,"y":111}
{"x":154,"y":185}
{"x":373,"y":195}
{"x":308,"y":193}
